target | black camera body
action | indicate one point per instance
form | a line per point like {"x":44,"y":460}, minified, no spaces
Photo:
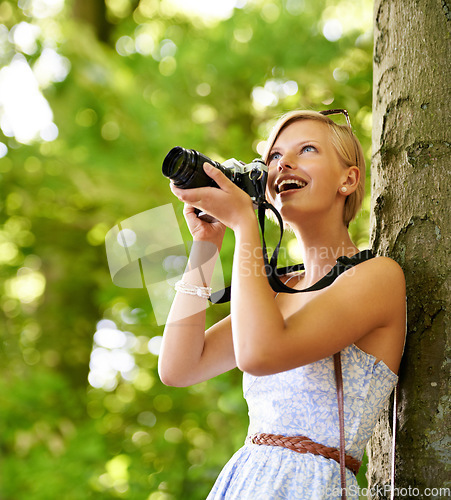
{"x":185,"y":168}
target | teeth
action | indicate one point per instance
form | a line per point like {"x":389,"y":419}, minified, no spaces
{"x":297,"y":182}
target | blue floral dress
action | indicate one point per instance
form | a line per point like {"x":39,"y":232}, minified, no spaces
{"x":303,"y":401}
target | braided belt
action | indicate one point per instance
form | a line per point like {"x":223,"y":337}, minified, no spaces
{"x":303,"y":444}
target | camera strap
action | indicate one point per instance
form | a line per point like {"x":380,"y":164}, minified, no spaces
{"x":273,"y":273}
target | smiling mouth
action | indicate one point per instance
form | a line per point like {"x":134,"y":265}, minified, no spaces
{"x":289,"y":184}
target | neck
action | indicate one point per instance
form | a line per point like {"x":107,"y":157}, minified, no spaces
{"x":321,"y":245}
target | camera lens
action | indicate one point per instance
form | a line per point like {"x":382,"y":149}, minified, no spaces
{"x":174,"y":163}
{"x":185,"y":168}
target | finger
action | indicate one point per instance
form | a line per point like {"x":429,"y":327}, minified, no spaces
{"x":195,"y":196}
{"x":177,"y":191}
{"x":219,"y":177}
{"x":185,"y":195}
{"x":188,"y":209}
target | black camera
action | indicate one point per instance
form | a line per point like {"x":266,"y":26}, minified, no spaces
{"x":185,"y":168}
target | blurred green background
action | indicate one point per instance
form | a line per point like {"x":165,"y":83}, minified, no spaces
{"x":93,"y":94}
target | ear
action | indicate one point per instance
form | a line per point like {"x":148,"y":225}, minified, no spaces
{"x":351,"y":180}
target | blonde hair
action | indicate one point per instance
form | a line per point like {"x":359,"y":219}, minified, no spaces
{"x":346,"y":144}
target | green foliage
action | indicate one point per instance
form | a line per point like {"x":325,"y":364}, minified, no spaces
{"x":143,"y":77}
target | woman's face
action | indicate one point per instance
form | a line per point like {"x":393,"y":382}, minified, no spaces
{"x":304,"y":171}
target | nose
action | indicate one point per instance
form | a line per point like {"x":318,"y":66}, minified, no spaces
{"x":283,"y":163}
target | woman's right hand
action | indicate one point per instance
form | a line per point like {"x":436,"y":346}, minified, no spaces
{"x":202,"y":230}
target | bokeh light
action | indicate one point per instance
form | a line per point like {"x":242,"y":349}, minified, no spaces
{"x":24,"y":112}
{"x":111,"y":356}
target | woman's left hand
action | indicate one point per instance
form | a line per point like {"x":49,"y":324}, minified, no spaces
{"x":228,"y":204}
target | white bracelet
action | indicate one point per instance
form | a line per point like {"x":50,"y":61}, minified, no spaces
{"x":201,"y":291}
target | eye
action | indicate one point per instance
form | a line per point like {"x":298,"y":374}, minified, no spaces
{"x":308,"y":149}
{"x":274,"y":156}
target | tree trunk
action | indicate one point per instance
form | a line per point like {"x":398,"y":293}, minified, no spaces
{"x":410,"y":222}
{"x":94,"y":13}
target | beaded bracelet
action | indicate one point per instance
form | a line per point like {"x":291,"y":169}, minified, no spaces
{"x":201,"y":291}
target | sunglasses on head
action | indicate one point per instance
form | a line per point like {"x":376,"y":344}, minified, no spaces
{"x":328,"y":112}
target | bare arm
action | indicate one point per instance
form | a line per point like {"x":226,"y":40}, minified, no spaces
{"x":188,"y":354}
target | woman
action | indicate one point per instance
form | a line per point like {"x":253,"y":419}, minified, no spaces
{"x":284,"y":343}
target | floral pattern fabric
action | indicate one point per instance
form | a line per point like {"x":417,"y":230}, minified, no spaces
{"x":303,"y":401}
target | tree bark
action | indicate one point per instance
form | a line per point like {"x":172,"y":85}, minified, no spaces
{"x":410,"y":222}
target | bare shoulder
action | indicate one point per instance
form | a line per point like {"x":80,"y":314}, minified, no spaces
{"x":380,"y":282}
{"x":387,"y":263}
{"x":386,"y":271}
{"x":379,"y":272}
{"x":385,"y":290}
